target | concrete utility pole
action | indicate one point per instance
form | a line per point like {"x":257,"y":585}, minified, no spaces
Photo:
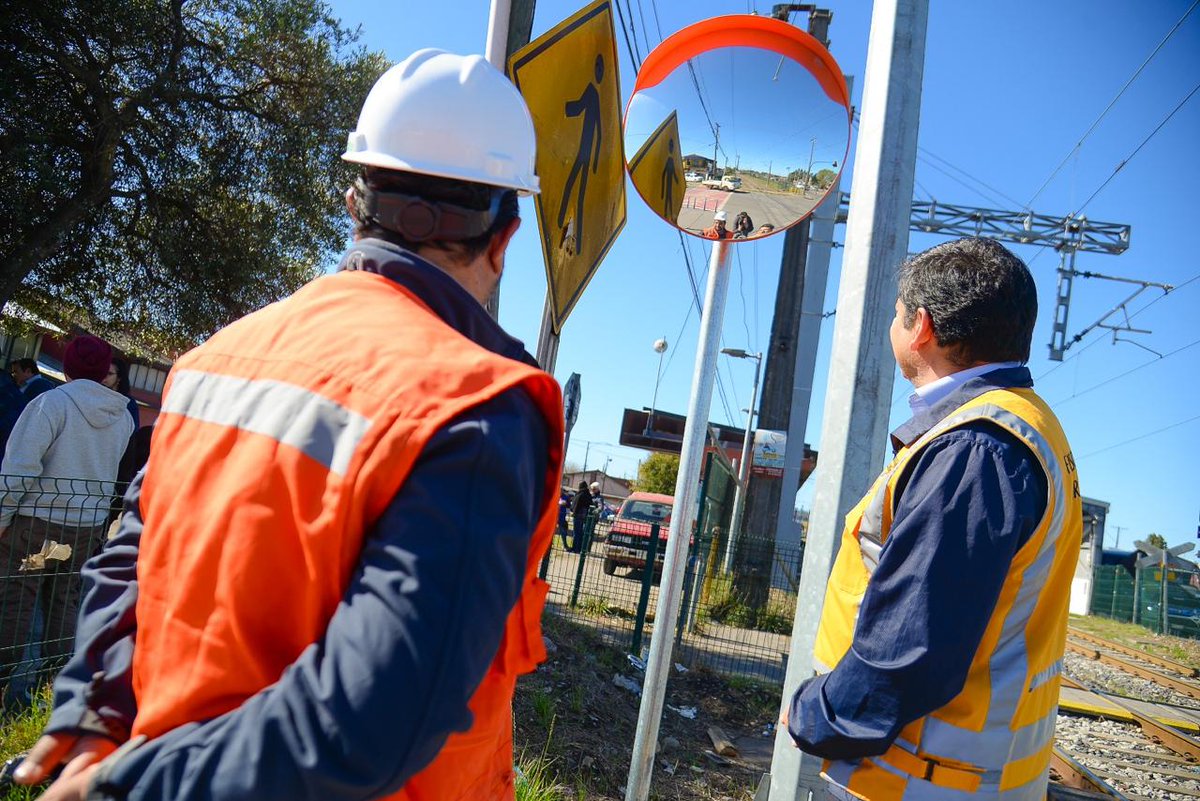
{"x":862,"y":367}
{"x":760,"y":516}
{"x":812,"y":308}
{"x":510,"y":24}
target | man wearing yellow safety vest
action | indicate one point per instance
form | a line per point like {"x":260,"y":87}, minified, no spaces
{"x":941,"y":639}
{"x":347,"y":497}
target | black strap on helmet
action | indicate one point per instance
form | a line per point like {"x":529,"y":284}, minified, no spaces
{"x":419,"y":220}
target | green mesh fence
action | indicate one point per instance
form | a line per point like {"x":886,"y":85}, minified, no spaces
{"x":51,"y":527}
{"x":1115,"y":587}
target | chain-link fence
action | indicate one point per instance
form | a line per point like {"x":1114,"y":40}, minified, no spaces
{"x":731,"y":619}
{"x":1174,"y":591}
{"x":51,"y":526}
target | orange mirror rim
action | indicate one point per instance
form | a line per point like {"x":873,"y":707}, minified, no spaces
{"x":745,"y":30}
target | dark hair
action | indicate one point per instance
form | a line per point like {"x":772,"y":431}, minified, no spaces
{"x":28,"y":365}
{"x":583,"y":485}
{"x":980,"y":297}
{"x":122,"y":367}
{"x":434,"y":190}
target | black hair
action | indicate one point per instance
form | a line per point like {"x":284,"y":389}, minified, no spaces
{"x":435,"y":190}
{"x":28,"y":365}
{"x":122,"y":367}
{"x":980,"y":297}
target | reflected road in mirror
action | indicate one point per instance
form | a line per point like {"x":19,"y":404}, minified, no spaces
{"x":736,"y":143}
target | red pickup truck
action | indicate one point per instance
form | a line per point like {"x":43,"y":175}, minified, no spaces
{"x":627,"y":542}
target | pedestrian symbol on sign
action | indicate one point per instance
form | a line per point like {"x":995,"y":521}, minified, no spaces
{"x":587,"y":106}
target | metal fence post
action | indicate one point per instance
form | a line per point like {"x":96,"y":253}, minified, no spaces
{"x":644,"y":598}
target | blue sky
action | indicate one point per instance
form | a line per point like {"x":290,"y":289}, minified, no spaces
{"x":1009,"y":90}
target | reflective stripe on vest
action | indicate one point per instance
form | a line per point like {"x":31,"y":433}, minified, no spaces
{"x":277,"y":449}
{"x":994,"y":737}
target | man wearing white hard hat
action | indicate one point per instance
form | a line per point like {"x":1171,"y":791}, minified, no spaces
{"x":347,"y":498}
{"x":717,"y":230}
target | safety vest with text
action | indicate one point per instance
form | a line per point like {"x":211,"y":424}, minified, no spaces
{"x":277,"y":449}
{"x":992,"y":740}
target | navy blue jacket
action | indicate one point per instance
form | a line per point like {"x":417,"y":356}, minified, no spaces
{"x":965,"y":505}
{"x":357,"y":714}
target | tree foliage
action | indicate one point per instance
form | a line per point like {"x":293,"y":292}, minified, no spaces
{"x":1157,"y":540}
{"x":658,"y":473}
{"x":170,"y":165}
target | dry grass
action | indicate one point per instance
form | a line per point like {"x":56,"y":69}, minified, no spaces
{"x":1177,"y":648}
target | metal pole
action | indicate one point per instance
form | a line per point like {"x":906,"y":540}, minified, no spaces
{"x":639,"y":622}
{"x":808,"y":336}
{"x":1162,"y":603}
{"x":660,"y":345}
{"x":739,"y":492}
{"x":861,"y":373}
{"x":547,"y":345}
{"x":659,"y":663}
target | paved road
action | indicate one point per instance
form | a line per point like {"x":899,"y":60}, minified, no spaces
{"x":777,"y":208}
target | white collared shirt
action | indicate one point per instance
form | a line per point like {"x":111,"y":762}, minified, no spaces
{"x":924,"y":398}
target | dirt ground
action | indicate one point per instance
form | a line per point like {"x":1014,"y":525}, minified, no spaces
{"x":571,"y":714}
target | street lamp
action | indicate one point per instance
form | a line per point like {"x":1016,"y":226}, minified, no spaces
{"x":739,"y":496}
{"x":660,"y":347}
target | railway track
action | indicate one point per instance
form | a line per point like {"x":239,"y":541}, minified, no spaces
{"x":1142,"y":760}
{"x":1175,"y":676}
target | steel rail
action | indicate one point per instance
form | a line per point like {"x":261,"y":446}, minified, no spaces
{"x":1074,"y":774}
{"x":1161,"y":661}
{"x":1182,"y":686}
{"x":1166,"y":736}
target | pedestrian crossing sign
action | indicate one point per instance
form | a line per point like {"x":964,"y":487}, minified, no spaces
{"x":568,"y":77}
{"x":657,"y":170}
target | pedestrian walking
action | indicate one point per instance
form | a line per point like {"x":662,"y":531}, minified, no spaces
{"x":337,"y":587}
{"x":941,"y":639}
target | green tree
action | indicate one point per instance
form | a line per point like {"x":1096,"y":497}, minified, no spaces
{"x":1157,"y":540}
{"x":657,"y":473}
{"x":169,"y":165}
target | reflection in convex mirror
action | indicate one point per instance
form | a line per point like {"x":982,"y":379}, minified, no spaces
{"x":737,"y":141}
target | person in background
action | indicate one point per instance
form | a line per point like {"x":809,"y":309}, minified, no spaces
{"x":579,"y":512}
{"x":29,"y":378}
{"x":717,"y":230}
{"x":11,"y":404}
{"x":60,"y":470}
{"x":564,"y":506}
{"x":743,"y":226}
{"x":941,"y":639}
{"x":118,"y":380}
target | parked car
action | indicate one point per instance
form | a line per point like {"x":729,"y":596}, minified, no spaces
{"x":693,"y":177}
{"x":629,"y":538}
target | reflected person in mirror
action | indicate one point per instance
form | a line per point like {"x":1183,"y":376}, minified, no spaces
{"x":717,"y":230}
{"x":743,"y":226}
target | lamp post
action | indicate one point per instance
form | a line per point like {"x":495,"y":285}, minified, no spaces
{"x":660,"y":347}
{"x":739,"y":496}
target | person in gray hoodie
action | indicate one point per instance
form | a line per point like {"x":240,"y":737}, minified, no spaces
{"x":59,"y":471}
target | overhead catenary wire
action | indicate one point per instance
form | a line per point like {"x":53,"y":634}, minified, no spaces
{"x":1028,"y":205}
{"x":1139,"y":437}
{"x":1128,"y":372}
{"x":1137,"y":149}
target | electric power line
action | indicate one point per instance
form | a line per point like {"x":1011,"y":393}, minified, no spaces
{"x":1130,"y":371}
{"x":1140,"y":437}
{"x":1128,"y":158}
{"x":1111,"y":103}
{"x":979,"y":181}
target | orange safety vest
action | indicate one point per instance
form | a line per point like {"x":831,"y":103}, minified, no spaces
{"x":281,"y":441}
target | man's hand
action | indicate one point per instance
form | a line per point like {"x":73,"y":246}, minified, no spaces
{"x":73,"y":784}
{"x":76,"y":751}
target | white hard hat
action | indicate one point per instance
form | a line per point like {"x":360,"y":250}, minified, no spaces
{"x":720,"y":216}
{"x":595,"y":485}
{"x":451,"y":116}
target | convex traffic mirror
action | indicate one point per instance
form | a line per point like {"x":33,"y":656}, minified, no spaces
{"x":737,"y":127}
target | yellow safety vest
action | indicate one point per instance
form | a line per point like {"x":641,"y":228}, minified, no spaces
{"x":992,"y":740}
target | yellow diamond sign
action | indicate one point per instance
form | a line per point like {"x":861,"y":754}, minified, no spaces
{"x":657,"y":170}
{"x":568,"y":77}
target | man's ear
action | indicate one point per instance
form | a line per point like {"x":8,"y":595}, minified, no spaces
{"x":922,"y":329}
{"x":350,"y":204}
{"x":499,"y":244}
